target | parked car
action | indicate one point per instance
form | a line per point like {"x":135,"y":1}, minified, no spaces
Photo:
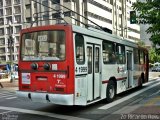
{"x":156,"y":69}
{"x":156,"y":64}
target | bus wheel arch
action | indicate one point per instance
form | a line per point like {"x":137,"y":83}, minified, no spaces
{"x":111,"y":89}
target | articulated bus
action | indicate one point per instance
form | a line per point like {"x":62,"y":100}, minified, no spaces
{"x":70,"y":65}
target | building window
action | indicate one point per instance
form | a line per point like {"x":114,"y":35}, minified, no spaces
{"x":56,"y":15}
{"x":18,"y":19}
{"x":133,"y":30}
{"x":28,"y":20}
{"x":28,"y":6}
{"x":133,"y":38}
{"x":2,"y":41}
{"x":2,"y":50}
{"x":56,"y":1}
{"x":8,"y":2}
{"x":17,"y":29}
{"x":1,"y":31}
{"x":45,"y":16}
{"x":1,"y":3}
{"x":8,"y":19}
{"x":98,"y":17}
{"x":69,"y":13}
{"x":9,"y":30}
{"x":1,"y":12}
{"x":17,"y":10}
{"x":100,"y":5}
{"x":17,"y":39}
{"x":1,"y":21}
{"x":9,"y":11}
{"x":16,"y":1}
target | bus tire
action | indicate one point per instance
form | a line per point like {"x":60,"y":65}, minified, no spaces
{"x":111,"y":91}
{"x":141,"y":80}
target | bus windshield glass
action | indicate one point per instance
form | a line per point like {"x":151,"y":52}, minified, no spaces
{"x":43,"y":45}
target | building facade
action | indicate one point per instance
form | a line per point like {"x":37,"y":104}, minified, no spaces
{"x":110,"y":14}
{"x":10,"y":25}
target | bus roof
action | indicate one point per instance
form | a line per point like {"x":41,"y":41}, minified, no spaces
{"x":103,"y":35}
{"x":88,"y":32}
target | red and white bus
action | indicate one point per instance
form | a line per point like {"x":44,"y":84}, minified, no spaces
{"x":70,"y":65}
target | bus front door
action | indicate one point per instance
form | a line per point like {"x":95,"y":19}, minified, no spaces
{"x":130,"y":68}
{"x":94,"y":72}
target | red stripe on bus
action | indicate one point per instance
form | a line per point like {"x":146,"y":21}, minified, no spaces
{"x":105,"y":81}
{"x":118,"y":79}
{"x":121,"y":78}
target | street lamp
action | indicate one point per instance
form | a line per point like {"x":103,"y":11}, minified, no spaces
{"x":10,"y":44}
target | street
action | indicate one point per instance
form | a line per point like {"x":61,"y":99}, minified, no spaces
{"x":142,"y":103}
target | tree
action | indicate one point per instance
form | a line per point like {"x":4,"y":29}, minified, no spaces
{"x":153,"y":56}
{"x":149,"y":13}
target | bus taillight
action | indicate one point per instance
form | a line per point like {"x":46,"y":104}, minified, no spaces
{"x":46,"y":66}
{"x":34,"y":66}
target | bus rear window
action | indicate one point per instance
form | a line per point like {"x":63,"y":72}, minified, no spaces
{"x":43,"y":45}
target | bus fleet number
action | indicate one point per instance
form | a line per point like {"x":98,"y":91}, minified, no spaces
{"x":81,"y":69}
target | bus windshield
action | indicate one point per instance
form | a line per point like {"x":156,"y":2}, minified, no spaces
{"x":43,"y":45}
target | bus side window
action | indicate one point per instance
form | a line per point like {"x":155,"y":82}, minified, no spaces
{"x":79,"y":44}
{"x":109,"y":56}
{"x":120,"y":49}
{"x":141,"y":57}
{"x":136,"y":56}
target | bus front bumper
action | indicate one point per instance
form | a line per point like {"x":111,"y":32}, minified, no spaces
{"x":60,"y":99}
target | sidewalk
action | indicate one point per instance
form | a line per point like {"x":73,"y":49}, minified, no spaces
{"x":149,"y":108}
{"x":154,"y":75}
{"x":7,"y":85}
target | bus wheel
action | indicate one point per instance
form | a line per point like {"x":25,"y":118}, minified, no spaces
{"x":140,"y":82}
{"x":111,"y":91}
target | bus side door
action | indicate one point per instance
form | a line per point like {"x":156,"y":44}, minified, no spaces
{"x":94,"y":72}
{"x":130,"y":68}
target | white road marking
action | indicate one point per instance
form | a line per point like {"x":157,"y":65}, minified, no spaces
{"x":10,"y":98}
{"x":5,"y":112}
{"x":6,"y":96}
{"x":53,"y":115}
{"x":154,"y":93}
{"x":116,"y":102}
{"x":4,"y":93}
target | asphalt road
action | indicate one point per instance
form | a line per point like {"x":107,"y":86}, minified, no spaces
{"x":135,"y":104}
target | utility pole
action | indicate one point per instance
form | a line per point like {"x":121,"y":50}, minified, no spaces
{"x":10,"y":44}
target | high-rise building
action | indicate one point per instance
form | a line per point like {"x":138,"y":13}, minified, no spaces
{"x":113,"y":15}
{"x":10,"y":25}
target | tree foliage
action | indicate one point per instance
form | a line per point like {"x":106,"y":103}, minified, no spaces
{"x":153,"y":56}
{"x":149,"y":13}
